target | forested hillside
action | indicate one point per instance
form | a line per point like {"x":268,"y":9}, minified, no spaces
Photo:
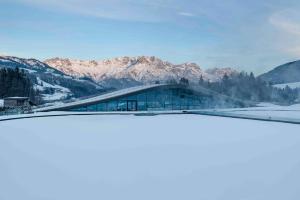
{"x":52,"y":84}
{"x":15,"y":82}
{"x":247,"y":87}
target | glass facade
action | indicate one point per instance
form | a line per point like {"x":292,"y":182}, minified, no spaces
{"x":158,"y":99}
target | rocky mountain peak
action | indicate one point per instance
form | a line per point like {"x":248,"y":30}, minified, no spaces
{"x":140,"y":69}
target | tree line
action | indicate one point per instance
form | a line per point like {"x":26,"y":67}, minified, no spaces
{"x":15,"y":82}
{"x":246,"y":86}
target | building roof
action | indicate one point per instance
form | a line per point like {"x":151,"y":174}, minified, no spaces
{"x":131,"y":90}
{"x":103,"y":97}
{"x":16,"y":98}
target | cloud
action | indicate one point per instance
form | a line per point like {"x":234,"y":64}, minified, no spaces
{"x":287,"y":23}
{"x":186,"y":14}
{"x":238,"y":32}
{"x":125,"y":10}
{"x":3,"y":54}
{"x":287,"y":20}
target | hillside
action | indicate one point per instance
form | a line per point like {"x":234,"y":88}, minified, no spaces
{"x":286,"y":73}
{"x":52,"y":84}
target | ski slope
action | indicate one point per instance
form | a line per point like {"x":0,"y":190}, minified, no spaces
{"x":148,"y":157}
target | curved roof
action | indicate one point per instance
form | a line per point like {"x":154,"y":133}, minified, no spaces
{"x":131,"y":90}
{"x":102,"y":97}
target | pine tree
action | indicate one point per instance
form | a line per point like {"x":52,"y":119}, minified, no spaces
{"x":201,"y":80}
{"x":15,"y":82}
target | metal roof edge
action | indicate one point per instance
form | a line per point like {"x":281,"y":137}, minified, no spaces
{"x":102,"y":97}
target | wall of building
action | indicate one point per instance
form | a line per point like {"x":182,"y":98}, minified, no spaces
{"x":15,"y":103}
{"x":159,"y":99}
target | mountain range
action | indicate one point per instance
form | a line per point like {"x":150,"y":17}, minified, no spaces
{"x":63,"y":78}
{"x":127,"y":71}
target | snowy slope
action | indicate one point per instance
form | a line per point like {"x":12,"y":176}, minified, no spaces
{"x":152,"y":157}
{"x":59,"y":92}
{"x":291,"y":85}
{"x":52,"y":83}
{"x":142,"y":69}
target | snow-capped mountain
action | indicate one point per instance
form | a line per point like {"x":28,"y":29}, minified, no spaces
{"x":59,"y":79}
{"x":125,"y":71}
{"x":52,"y":83}
{"x":216,"y":74}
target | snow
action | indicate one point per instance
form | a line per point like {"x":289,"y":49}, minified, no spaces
{"x":59,"y":94}
{"x":29,"y":70}
{"x":142,"y":69}
{"x":42,"y":85}
{"x":148,"y":157}
{"x":54,"y":97}
{"x":291,"y":85}
{"x":268,"y":110}
{"x":41,"y":70}
{"x":4,"y":60}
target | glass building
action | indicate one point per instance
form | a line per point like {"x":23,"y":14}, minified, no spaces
{"x":152,"y":98}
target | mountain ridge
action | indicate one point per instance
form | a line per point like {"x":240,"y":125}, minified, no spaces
{"x":139,"y":69}
{"x":285,"y":73}
{"x":51,"y":83}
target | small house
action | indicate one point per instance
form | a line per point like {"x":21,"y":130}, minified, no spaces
{"x":16,"y":102}
{"x":1,"y":103}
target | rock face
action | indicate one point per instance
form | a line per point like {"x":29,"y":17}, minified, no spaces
{"x":124,"y":71}
{"x":286,"y":73}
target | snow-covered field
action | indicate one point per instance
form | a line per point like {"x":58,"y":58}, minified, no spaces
{"x":268,"y":110}
{"x":291,"y":85}
{"x":148,"y":157}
